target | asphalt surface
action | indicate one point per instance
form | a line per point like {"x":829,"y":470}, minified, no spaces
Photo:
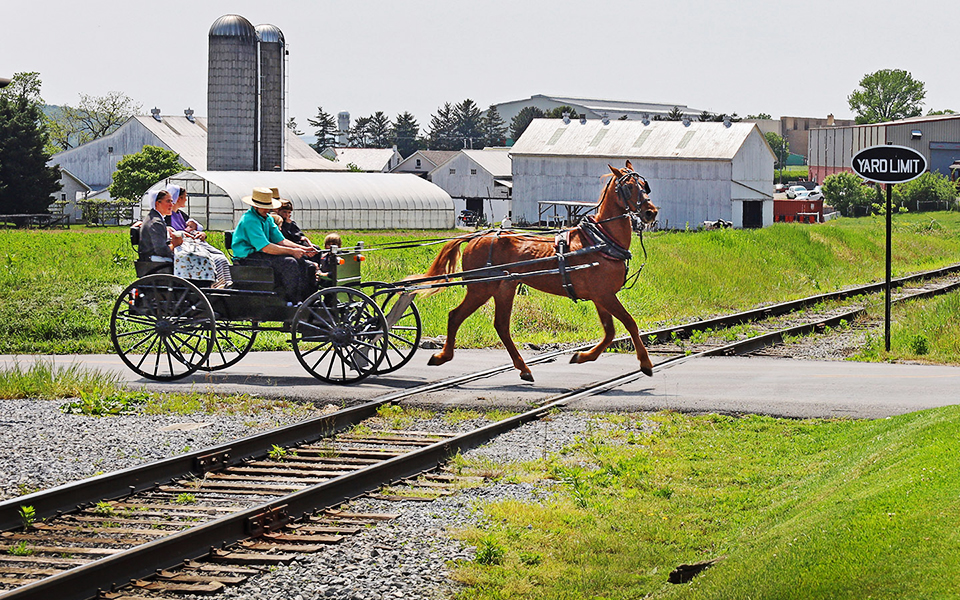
{"x":780,"y":387}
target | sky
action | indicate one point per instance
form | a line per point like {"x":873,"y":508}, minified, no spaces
{"x":799,"y":58}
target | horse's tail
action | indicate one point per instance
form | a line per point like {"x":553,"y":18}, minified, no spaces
{"x":446,"y":262}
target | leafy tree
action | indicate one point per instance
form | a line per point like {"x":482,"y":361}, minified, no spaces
{"x":494,"y":128}
{"x":929,"y":187}
{"x":761,"y":117}
{"x":325,"y":130}
{"x":358,"y":136}
{"x":469,"y":120}
{"x":442,"y":133}
{"x":887,"y":95}
{"x":945,"y":111}
{"x":844,"y":191}
{"x":557,"y":113}
{"x":137,"y":172}
{"x":405,"y":132}
{"x":94,"y":117}
{"x":780,"y":147}
{"x":26,"y":182}
{"x":520,"y":122}
{"x":378,"y":130}
{"x":292,"y":126}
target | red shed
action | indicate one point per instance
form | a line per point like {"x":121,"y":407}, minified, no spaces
{"x":798,"y":211}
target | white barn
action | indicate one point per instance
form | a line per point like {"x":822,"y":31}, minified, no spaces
{"x":327,"y":201}
{"x":478,"y":180}
{"x":697,"y":171}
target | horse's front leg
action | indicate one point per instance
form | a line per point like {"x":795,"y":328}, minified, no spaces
{"x":606,"y":320}
{"x":618,"y":311}
{"x":503,"y":303}
{"x":474,"y":299}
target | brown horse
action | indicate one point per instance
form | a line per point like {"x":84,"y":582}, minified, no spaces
{"x":626,"y":193}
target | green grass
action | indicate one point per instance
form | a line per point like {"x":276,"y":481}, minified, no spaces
{"x":800,"y":509}
{"x":57,"y":288}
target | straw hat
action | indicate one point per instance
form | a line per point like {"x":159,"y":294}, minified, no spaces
{"x":261,"y":198}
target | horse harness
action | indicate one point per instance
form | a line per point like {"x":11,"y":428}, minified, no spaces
{"x":598,"y":241}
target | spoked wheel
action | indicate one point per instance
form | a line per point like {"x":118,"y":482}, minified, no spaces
{"x":403,"y":319}
{"x":162,"y":327}
{"x":339,"y":335}
{"x":231,"y":343}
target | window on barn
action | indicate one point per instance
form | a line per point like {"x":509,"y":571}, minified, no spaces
{"x":453,"y":171}
{"x":418,"y":163}
{"x":473,"y":171}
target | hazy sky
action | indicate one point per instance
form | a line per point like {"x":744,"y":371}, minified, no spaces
{"x":798,"y":58}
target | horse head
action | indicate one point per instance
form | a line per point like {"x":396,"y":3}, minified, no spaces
{"x":633,"y":193}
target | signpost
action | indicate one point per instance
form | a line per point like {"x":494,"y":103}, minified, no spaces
{"x":888,"y":165}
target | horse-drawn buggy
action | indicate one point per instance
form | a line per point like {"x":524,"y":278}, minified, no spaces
{"x":165,"y":327}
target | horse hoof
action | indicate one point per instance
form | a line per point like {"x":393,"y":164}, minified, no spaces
{"x":526,"y":376}
{"x":434,"y":361}
{"x":647,"y":371}
{"x":575,"y":359}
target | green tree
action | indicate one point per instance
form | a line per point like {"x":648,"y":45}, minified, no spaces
{"x":675,"y":114}
{"x":137,"y":172}
{"x":325,"y":128}
{"x":494,"y":128}
{"x":378,"y":131}
{"x":469,"y":124}
{"x":358,"y":136}
{"x":522,"y":120}
{"x":945,"y":111}
{"x":93,"y":118}
{"x":293,"y":127}
{"x":557,"y":113}
{"x":887,"y":95}
{"x":26,"y":182}
{"x":844,"y":191}
{"x":780,"y":147}
{"x":761,"y":117}
{"x":442,"y":132}
{"x":929,"y":187}
{"x":405,"y":133}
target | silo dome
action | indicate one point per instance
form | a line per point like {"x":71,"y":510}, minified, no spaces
{"x":232,"y":26}
{"x":270,"y":34}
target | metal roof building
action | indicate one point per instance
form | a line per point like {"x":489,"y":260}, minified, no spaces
{"x":320,"y":200}
{"x":477,"y":180}
{"x":371,"y":160}
{"x":697,"y":171}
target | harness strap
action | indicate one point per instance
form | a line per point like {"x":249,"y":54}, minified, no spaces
{"x":595,"y":233}
{"x":562,"y":246}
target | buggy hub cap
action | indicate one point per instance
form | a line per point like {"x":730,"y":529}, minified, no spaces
{"x":341,"y":336}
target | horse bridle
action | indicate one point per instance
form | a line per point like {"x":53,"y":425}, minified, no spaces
{"x":627,"y":178}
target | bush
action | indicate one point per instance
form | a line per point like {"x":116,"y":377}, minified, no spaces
{"x":845,"y":191}
{"x":932,"y":188}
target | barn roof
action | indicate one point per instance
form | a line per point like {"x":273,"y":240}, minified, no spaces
{"x":366,"y":159}
{"x":633,"y":139}
{"x":496,"y":162}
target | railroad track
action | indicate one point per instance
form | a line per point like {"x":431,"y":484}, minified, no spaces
{"x":197,"y":522}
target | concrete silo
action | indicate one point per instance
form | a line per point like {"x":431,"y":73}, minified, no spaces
{"x":343,"y":127}
{"x":272,"y":53}
{"x":232,"y":95}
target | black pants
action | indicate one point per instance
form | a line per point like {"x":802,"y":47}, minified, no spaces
{"x":294,"y":276}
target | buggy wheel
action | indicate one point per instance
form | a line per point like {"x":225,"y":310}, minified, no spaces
{"x":162,"y":327}
{"x":232,"y":342}
{"x":403,"y":320}
{"x":338,"y":335}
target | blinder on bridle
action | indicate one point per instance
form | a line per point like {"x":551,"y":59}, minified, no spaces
{"x":625,"y":182}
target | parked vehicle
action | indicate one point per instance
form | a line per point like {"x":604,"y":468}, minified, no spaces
{"x":793,"y":190}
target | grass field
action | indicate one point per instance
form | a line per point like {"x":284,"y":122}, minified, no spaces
{"x":796,"y":510}
{"x":57,"y":288}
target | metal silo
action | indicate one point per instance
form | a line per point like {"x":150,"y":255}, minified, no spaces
{"x":232,"y":95}
{"x":272,"y":54}
{"x":343,"y":127}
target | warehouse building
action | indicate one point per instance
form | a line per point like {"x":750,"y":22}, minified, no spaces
{"x":936,"y":137}
{"x":325,"y":201}
{"x":697,"y":171}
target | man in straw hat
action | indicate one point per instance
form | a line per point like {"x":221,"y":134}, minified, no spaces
{"x":257,"y":241}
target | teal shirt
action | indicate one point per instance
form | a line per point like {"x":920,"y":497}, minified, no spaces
{"x":253,"y":232}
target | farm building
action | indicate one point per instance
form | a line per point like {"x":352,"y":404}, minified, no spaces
{"x":328,"y":201}
{"x":93,"y":163}
{"x":936,"y":137}
{"x":422,"y":162}
{"x":478,"y":180}
{"x":697,"y":171}
{"x":370,"y":160}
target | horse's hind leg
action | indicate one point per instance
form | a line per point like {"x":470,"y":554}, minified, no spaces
{"x":476,"y":296}
{"x":606,"y":320}
{"x":503,"y":302}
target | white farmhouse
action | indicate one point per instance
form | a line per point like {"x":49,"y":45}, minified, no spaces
{"x":697,"y":171}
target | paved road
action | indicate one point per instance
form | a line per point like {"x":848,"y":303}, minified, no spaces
{"x":771,"y":386}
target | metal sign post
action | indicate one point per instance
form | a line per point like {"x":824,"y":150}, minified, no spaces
{"x":888,"y":165}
